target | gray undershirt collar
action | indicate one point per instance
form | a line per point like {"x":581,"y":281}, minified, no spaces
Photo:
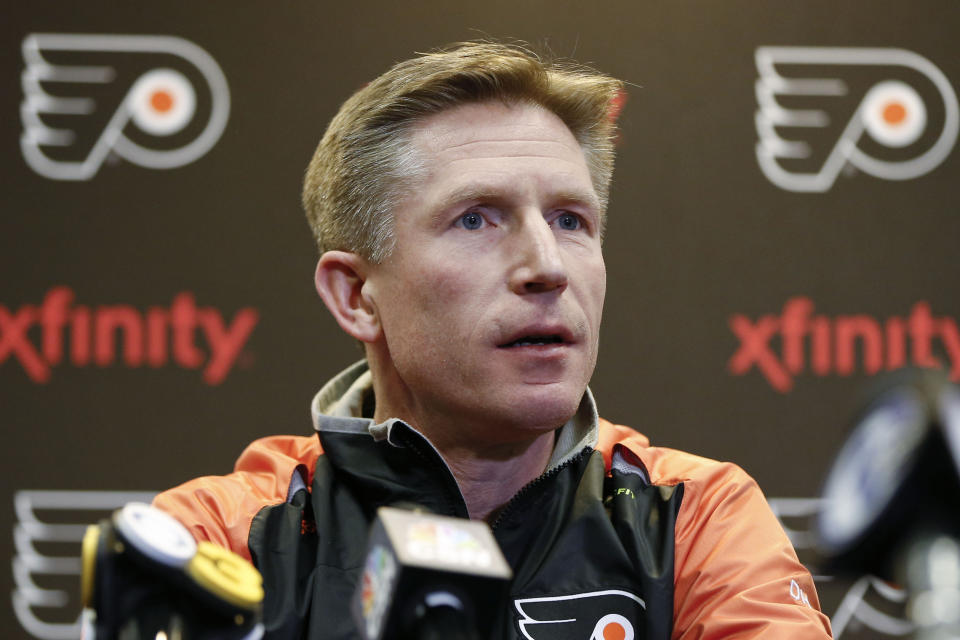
{"x":338,"y":407}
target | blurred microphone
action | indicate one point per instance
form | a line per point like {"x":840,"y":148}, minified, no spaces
{"x":892,"y":498}
{"x":429,"y":577}
{"x":145,"y":578}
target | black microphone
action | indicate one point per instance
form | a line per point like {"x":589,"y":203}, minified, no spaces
{"x":892,"y":499}
{"x":429,"y":577}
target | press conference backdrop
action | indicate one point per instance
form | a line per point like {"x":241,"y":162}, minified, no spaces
{"x":783,"y":227}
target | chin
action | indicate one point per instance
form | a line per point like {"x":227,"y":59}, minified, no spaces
{"x":545,"y":410}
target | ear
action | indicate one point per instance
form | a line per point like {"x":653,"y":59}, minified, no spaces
{"x":339,"y":280}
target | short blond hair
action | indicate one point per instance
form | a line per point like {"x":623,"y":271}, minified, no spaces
{"x":365,"y":164}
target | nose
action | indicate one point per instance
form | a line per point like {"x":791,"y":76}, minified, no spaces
{"x":538,"y":266}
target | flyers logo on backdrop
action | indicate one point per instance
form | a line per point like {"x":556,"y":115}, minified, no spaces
{"x":889,"y":113}
{"x":46,"y":561}
{"x":159,"y":102}
{"x":598,"y":615}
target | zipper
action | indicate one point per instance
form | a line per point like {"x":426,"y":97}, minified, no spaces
{"x":534,"y":484}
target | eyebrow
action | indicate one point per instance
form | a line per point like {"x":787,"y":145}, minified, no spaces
{"x":487,"y":194}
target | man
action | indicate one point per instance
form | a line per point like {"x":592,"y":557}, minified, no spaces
{"x":459,"y":202}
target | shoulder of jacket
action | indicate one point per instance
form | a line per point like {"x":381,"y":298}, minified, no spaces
{"x":735,"y":571}
{"x":275,"y":452}
{"x":220,"y":509}
{"x":666,"y":466}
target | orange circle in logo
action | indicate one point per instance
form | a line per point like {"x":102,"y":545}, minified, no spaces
{"x":894,"y":113}
{"x":161,"y":101}
{"x":614,"y":631}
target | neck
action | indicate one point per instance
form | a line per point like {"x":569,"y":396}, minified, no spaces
{"x":489,"y":479}
{"x":488,"y":474}
{"x":490,"y":461}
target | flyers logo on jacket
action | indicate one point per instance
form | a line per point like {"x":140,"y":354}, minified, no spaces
{"x":889,"y":113}
{"x":158,"y":102}
{"x":598,"y":615}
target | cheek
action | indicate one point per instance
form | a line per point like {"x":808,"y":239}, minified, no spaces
{"x":596,"y":290}
{"x":441,"y":290}
{"x":445,"y":282}
{"x":426,"y":298}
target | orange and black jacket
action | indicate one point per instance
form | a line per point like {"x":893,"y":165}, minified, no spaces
{"x":675,"y":545}
{"x":692,"y":538}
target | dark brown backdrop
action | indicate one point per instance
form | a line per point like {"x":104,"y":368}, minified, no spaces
{"x":697,"y":236}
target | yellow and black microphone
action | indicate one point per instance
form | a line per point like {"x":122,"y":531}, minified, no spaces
{"x":144,"y":577}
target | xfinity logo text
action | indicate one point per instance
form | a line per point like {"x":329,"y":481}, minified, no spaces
{"x":136,"y":96}
{"x":153,"y":337}
{"x":798,"y":84}
{"x":833,"y":343}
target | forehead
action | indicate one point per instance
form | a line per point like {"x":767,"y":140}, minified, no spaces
{"x":497,"y":138}
{"x":475,"y":122}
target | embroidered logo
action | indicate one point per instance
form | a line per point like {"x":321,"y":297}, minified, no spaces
{"x":598,"y":615}
{"x":799,"y":92}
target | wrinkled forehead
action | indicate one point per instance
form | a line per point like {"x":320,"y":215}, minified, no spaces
{"x":500,"y":144}
{"x":475,"y":125}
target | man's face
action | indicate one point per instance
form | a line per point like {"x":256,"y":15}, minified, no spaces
{"x":490,"y":303}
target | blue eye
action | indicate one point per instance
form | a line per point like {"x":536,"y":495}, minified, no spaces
{"x":471,"y":221}
{"x":568,"y":222}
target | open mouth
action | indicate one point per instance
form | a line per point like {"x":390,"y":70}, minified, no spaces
{"x":534,"y":341}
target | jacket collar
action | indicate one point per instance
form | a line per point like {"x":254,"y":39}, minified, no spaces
{"x":345,"y":405}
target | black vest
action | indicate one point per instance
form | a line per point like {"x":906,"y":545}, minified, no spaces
{"x":584,"y":547}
